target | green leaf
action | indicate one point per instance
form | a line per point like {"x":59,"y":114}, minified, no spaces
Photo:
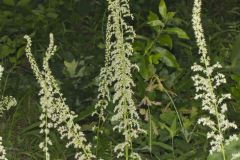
{"x":166,"y":40}
{"x":146,"y":70}
{"x":152,"y":16}
{"x":13,"y":60}
{"x":170,"y":15}
{"x":9,"y":2}
{"x":52,"y":15}
{"x":154,"y":59}
{"x":71,"y":67}
{"x":174,"y":128}
{"x":23,"y":3}
{"x":156,"y":23}
{"x":5,"y":51}
{"x":163,"y":145}
{"x":20,"y":52}
{"x":178,"y":31}
{"x":167,"y":57}
{"x":163,"y":9}
{"x":167,"y":117}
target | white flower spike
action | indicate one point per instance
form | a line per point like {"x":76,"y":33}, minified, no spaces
{"x":207,"y":80}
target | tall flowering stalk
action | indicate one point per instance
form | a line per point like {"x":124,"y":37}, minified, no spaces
{"x":117,"y":73}
{"x":207,"y":80}
{"x":5,"y":104}
{"x":55,"y":112}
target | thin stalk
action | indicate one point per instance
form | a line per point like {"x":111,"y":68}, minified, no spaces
{"x":126,"y":130}
{"x":174,"y":106}
{"x":173,"y":152}
{"x":150,"y":130}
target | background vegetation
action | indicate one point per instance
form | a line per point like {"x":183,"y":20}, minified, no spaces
{"x":164,"y":50}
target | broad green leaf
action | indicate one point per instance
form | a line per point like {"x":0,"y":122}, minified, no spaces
{"x":163,"y":9}
{"x":178,"y":31}
{"x":5,"y":51}
{"x":148,"y":47}
{"x":163,"y":145}
{"x":167,"y":117}
{"x":164,"y":126}
{"x":13,"y":60}
{"x":152,"y":16}
{"x":167,"y":57}
{"x":156,"y":23}
{"x":154,"y":59}
{"x":71,"y":67}
{"x":52,"y":15}
{"x":146,"y":70}
{"x":170,"y":15}
{"x":9,"y":2}
{"x":23,"y":2}
{"x":166,"y":40}
{"x":20,"y":52}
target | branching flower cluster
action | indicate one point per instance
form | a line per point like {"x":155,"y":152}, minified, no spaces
{"x":55,"y":112}
{"x":2,"y":151}
{"x":5,"y":104}
{"x":117,"y":73}
{"x":207,"y":80}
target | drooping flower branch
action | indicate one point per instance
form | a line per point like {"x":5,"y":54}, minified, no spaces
{"x":55,"y":112}
{"x":5,"y":104}
{"x":207,"y":80}
{"x":117,"y":73}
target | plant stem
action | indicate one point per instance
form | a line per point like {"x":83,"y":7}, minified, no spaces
{"x":150,"y":130}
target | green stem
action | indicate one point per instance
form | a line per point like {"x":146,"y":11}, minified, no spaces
{"x":150,"y":130}
{"x":173,"y":152}
{"x":178,"y":115}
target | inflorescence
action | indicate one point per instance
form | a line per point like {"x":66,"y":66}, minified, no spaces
{"x":55,"y":112}
{"x":207,"y":80}
{"x":5,"y":104}
{"x":117,"y":73}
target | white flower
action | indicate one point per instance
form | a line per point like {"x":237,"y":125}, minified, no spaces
{"x":117,"y":73}
{"x":1,"y":71}
{"x":235,"y":156}
{"x":5,"y":104}
{"x":55,"y":112}
{"x":2,"y":151}
{"x":206,"y":81}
